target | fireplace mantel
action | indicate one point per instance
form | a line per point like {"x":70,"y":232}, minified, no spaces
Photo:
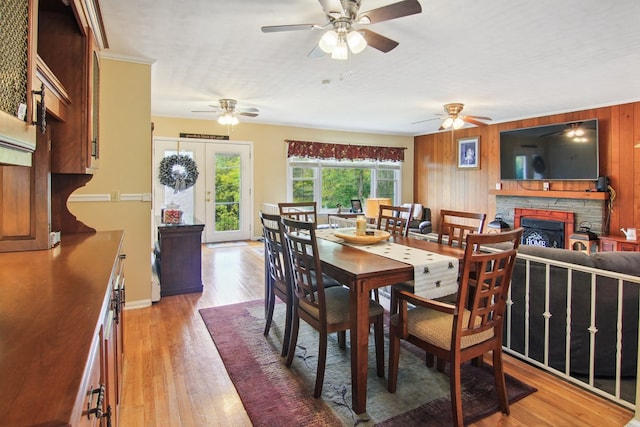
{"x":594,"y":195}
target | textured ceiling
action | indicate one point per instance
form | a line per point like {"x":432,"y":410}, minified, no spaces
{"x":505,"y":59}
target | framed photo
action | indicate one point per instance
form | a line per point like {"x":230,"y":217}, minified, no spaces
{"x":469,"y":153}
{"x":356,"y":206}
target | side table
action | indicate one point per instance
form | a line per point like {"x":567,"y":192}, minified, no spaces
{"x":180,"y":255}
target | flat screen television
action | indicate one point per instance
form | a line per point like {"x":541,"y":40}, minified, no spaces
{"x":563,"y":151}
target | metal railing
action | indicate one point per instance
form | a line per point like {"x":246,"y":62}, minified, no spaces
{"x":581,"y":326}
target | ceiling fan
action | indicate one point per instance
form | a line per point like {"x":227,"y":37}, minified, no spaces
{"x":228,"y":112}
{"x":453,"y":119}
{"x":342,"y":16}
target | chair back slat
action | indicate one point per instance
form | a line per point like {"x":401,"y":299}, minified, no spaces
{"x":301,"y":248}
{"x":456,"y":225}
{"x":485,"y":282}
{"x":274,"y":251}
{"x":395,"y":219}
{"x":301,"y":211}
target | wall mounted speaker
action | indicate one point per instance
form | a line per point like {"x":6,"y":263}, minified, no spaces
{"x":602,"y":184}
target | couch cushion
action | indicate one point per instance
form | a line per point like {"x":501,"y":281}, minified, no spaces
{"x":417,"y":210}
{"x":621,"y":262}
{"x":563,"y":255}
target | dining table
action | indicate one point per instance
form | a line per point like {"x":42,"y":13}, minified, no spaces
{"x":363,"y":271}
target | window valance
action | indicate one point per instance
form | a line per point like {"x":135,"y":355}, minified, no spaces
{"x":322,"y":150}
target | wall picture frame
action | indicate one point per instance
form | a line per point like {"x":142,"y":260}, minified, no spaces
{"x":469,"y":153}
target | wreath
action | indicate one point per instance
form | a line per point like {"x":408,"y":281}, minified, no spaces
{"x":178,"y":172}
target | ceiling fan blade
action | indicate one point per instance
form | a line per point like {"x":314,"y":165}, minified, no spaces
{"x":204,"y":111}
{"x":392,"y":11}
{"x":426,"y":120}
{"x":247,"y":113}
{"x":316,"y":52}
{"x":473,"y":121}
{"x":331,"y":7}
{"x":248,"y":110}
{"x":294,"y":27}
{"x":377,"y":41}
{"x":480,"y":117}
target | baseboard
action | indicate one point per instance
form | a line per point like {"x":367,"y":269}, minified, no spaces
{"x":133,"y":305}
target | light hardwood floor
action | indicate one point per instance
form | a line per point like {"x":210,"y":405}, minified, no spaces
{"x":173,"y":375}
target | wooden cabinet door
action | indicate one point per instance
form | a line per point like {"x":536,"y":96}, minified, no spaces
{"x":17,"y":63}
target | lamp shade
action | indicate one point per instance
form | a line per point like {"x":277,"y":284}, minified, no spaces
{"x":372,"y":206}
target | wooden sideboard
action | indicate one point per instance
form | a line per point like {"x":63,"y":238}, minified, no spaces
{"x":61,"y":316}
{"x":616,"y":243}
{"x":180,"y":257}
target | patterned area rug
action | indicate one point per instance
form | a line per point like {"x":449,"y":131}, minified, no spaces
{"x":276,"y":395}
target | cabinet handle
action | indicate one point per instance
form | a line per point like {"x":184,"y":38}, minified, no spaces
{"x":97,"y":411}
{"x":43,"y":110}
{"x":94,"y":149}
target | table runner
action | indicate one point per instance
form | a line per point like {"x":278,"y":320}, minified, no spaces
{"x":435,"y":275}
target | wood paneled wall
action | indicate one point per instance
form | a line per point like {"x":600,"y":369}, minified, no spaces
{"x":438,"y":183}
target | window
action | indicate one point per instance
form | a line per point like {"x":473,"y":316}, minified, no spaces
{"x":331,"y":182}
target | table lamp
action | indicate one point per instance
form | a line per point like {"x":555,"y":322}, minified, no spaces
{"x":372,"y":206}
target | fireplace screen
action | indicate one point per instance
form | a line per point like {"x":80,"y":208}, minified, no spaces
{"x":539,"y":232}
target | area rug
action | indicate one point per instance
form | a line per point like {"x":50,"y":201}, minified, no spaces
{"x":276,"y":395}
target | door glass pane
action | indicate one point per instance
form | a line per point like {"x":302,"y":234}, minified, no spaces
{"x":227,"y":191}
{"x":184,"y":198}
{"x":340,"y":185}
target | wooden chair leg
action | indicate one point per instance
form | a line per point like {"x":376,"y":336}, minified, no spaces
{"x":287,"y":329}
{"x":429,"y":360}
{"x":293,"y":340}
{"x":322,"y":361}
{"x":501,"y":386}
{"x":342,"y":340}
{"x":379,"y":340}
{"x":456,"y":393}
{"x":271,"y":302}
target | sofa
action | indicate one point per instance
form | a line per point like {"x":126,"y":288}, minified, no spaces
{"x":421,"y":223}
{"x":606,"y":297}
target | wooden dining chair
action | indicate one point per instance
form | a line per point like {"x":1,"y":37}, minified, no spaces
{"x":394,"y":219}
{"x":325,"y":309}
{"x":278,"y":283}
{"x":455,"y":226}
{"x":302,"y":211}
{"x":459,"y":332}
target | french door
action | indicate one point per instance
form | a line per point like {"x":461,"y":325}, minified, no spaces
{"x":221,"y":196}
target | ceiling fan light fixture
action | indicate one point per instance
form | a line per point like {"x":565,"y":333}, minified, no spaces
{"x":458,"y":123}
{"x":228,"y":119}
{"x":447,"y":123}
{"x":341,"y":51}
{"x":356,"y":42}
{"x":329,"y":41}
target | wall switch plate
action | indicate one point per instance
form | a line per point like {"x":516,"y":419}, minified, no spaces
{"x":545,"y":186}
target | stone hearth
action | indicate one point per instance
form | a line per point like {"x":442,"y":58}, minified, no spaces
{"x":588,"y":212}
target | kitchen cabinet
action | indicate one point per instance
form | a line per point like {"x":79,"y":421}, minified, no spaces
{"x":61,"y":310}
{"x":56,"y":52}
{"x":74,"y":146}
